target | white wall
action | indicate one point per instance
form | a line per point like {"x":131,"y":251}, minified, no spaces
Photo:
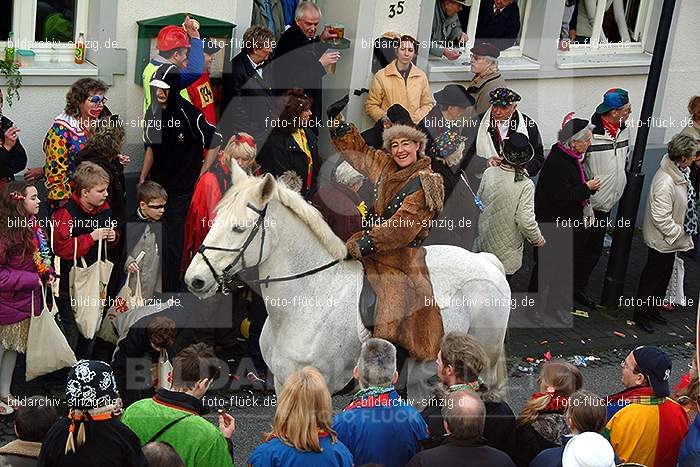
{"x":684,"y":67}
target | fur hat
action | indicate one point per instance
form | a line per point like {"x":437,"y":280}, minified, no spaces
{"x":404,"y":131}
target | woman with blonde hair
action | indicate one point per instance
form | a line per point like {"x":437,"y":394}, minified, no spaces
{"x":210,"y":188}
{"x":542,"y":422}
{"x":301,"y":431}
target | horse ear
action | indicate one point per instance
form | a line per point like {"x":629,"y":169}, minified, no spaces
{"x":267,"y":187}
{"x":238,"y":175}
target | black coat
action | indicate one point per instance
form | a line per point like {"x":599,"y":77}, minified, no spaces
{"x":108,"y":443}
{"x":559,"y":190}
{"x":501,"y":29}
{"x":134,"y":356}
{"x":499,"y":425}
{"x":458,"y":453}
{"x":14,"y":160}
{"x":373,"y":136}
{"x":247,"y":102}
{"x":433,"y":125}
{"x":533,"y":134}
{"x":546,"y":432}
{"x":281,"y":154}
{"x":457,"y":223}
{"x":295,"y":65}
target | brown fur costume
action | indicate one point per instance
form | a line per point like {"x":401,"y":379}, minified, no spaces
{"x":406,"y":313}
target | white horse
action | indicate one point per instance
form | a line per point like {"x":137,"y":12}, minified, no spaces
{"x":313,"y":308}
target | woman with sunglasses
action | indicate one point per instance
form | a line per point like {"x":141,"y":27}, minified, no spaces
{"x":85,"y":104}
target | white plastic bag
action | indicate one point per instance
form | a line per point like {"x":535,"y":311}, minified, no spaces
{"x":674,"y":292}
{"x":125,"y":302}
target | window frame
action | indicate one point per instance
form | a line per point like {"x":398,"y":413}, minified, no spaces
{"x":594,"y":47}
{"x":24,"y":29}
{"x":515,"y":51}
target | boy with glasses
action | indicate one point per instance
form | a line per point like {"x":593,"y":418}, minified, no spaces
{"x":144,"y":237}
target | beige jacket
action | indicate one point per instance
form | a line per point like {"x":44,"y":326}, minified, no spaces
{"x":665,"y":211}
{"x":509,"y":217}
{"x":480,"y":87}
{"x":389,"y":88}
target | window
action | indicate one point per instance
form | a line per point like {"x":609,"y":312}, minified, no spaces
{"x":48,"y":27}
{"x":482,"y":25}
{"x":610,"y":25}
{"x":55,"y":21}
{"x":5,"y":18}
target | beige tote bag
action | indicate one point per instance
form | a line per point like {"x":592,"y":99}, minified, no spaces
{"x":89,"y":290}
{"x":124,"y":303}
{"x":47,"y":348}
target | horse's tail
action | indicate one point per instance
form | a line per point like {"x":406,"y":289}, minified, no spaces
{"x":362,"y":332}
{"x":493,"y":259}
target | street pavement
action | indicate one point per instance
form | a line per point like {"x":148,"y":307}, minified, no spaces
{"x":588,"y":341}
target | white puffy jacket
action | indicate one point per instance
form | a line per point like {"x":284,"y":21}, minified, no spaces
{"x":665,"y":211}
{"x":606,"y":159}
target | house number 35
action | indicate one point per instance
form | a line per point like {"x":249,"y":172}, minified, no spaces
{"x":396,"y":8}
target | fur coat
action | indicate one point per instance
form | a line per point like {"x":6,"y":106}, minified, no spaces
{"x":406,"y":313}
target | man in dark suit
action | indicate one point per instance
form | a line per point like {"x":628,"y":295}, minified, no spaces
{"x":248,"y":102}
{"x":300,"y":57}
{"x":499,"y":23}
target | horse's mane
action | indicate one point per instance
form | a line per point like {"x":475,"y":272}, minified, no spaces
{"x":231,"y":211}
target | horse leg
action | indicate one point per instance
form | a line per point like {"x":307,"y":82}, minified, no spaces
{"x":417,"y":386}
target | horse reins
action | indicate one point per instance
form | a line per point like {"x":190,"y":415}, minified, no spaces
{"x":227,"y":277}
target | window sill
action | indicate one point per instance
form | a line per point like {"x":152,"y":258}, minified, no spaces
{"x":569,"y":61}
{"x":440,"y":70}
{"x":46,"y":73}
{"x":47,"y":68}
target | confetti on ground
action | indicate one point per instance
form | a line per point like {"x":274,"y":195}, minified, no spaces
{"x":544,"y":342}
{"x":618,"y":334}
{"x":581,"y":313}
{"x":688,"y":328}
{"x":674,"y":334}
{"x":548,"y":355}
{"x":530,"y":359}
{"x":630,"y":323}
{"x":635,"y":336}
{"x":583,"y":341}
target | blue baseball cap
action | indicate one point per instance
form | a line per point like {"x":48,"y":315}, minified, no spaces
{"x":614,"y":98}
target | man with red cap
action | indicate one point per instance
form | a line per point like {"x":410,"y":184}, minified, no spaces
{"x":181,"y":52}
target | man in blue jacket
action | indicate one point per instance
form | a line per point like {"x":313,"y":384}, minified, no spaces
{"x":377,"y":426}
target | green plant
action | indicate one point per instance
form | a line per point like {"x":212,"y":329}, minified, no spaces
{"x":13,"y":79}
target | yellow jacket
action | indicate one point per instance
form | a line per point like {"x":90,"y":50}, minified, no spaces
{"x":389,"y":88}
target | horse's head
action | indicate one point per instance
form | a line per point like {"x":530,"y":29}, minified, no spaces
{"x":239,"y":237}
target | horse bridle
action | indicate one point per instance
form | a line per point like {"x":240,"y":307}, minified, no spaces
{"x":226,"y":277}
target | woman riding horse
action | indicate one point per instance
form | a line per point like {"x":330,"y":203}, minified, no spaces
{"x":407,"y":197}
